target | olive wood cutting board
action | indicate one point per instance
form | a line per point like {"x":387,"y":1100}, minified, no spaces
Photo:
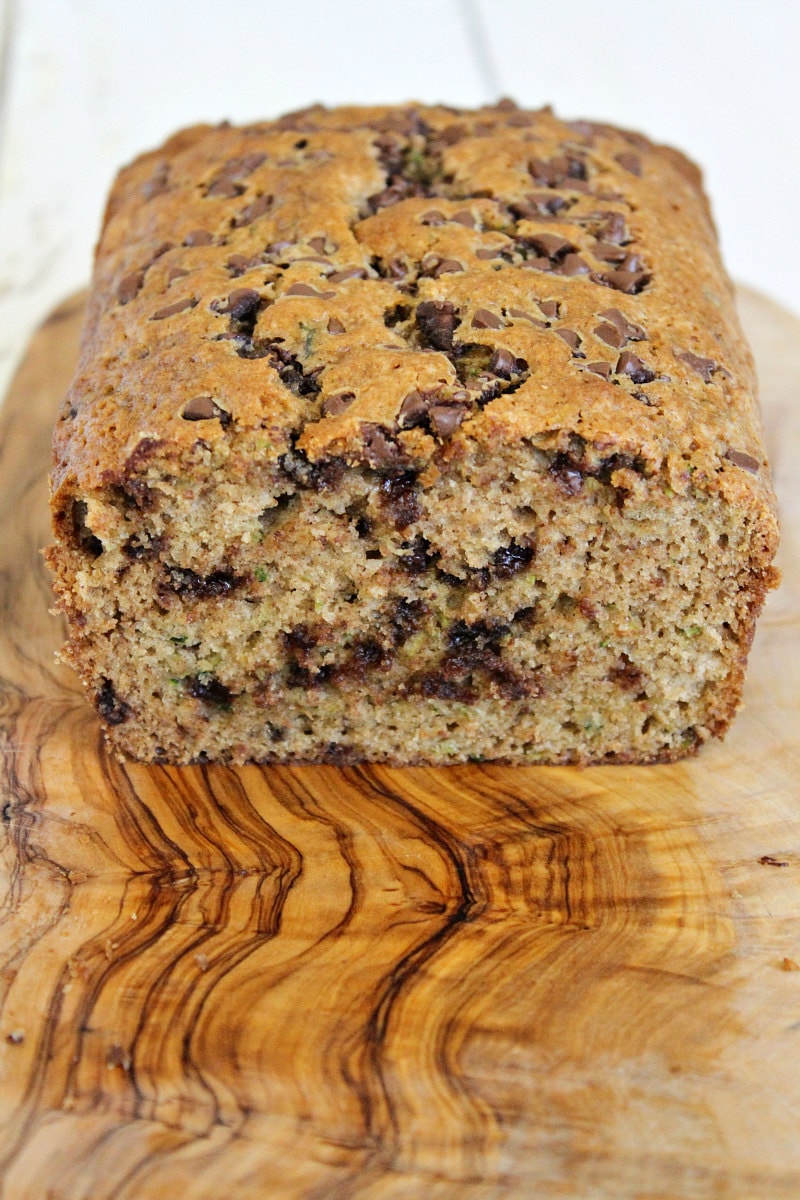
{"x":376,"y":983}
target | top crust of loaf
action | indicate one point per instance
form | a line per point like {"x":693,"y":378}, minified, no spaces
{"x":331,"y":283}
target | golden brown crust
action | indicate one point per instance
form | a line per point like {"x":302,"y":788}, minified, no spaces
{"x":413,"y":201}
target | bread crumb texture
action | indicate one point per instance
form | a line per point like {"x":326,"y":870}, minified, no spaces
{"x":411,"y":435}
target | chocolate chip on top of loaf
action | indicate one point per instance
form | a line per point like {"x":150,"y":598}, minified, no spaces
{"x":411,"y":434}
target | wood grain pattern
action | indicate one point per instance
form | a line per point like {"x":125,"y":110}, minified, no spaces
{"x":371,"y":983}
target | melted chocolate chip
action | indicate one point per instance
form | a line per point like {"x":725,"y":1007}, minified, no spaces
{"x":406,"y":619}
{"x":414,"y":409}
{"x":187,"y":583}
{"x":510,"y":560}
{"x":332,"y":406}
{"x":436,"y":321}
{"x":626,"y":674}
{"x":111,"y":708}
{"x":382,"y":451}
{"x":399,"y":497}
{"x":629,"y":364}
{"x":208,"y":689}
{"x":242,"y":303}
{"x":566,"y":474}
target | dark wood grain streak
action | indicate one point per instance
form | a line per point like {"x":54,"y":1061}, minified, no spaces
{"x":377,"y":984}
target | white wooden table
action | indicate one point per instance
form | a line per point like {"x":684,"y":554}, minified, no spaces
{"x":87,"y":84}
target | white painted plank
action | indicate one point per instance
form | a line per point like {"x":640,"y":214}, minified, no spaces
{"x":718,"y":78}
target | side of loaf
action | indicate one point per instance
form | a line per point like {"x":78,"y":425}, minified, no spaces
{"x":413,"y":435}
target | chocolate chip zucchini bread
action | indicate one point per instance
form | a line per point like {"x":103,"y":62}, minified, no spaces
{"x":411,"y":435}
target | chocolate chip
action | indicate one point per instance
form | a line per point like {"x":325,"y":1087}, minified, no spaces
{"x":537,"y":205}
{"x":203,"y":408}
{"x":253,"y":211}
{"x":399,"y":497}
{"x":198,"y":237}
{"x":562,"y":170}
{"x":227,"y":181}
{"x":609,"y":334}
{"x":550,"y":244}
{"x":464,"y":217}
{"x":510,"y":560}
{"x":414,"y":409}
{"x":305,"y":289}
{"x":600,"y":368}
{"x":629,"y":330}
{"x":381,"y":450}
{"x":608,"y":252}
{"x":113,"y":710}
{"x":550,"y":308}
{"x":347,"y":273}
{"x":630,"y":282}
{"x":208,"y":689}
{"x":740,"y":458}
{"x":540,"y":263}
{"x":566,"y":474}
{"x":436,"y":321}
{"x":572,"y":264}
{"x":237,"y":264}
{"x":630,"y":162}
{"x":335,"y":325}
{"x":434,"y":217}
{"x":625,"y":673}
{"x":484,"y":319}
{"x":444,"y":419}
{"x":447,"y":266}
{"x":321,"y":245}
{"x":703,"y":366}
{"x":129,"y":286}
{"x":487,"y":252}
{"x":629,"y":364}
{"x":522,"y":315}
{"x":503,"y":363}
{"x":171,"y":309}
{"x":176,"y":273}
{"x":243,"y":303}
{"x":572,"y":339}
{"x":614,"y":228}
{"x":332,"y":406}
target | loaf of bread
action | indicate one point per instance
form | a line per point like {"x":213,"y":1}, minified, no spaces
{"x":411,"y":435}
